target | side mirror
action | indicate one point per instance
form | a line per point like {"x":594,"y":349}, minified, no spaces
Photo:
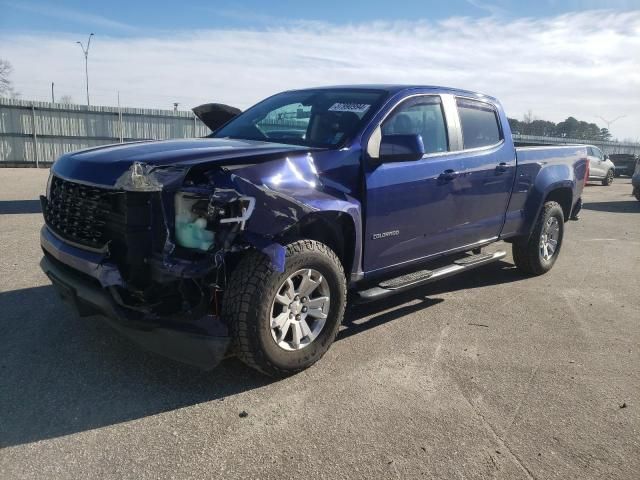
{"x":401,"y":148}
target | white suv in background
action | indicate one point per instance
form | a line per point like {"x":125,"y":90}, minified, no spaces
{"x":600,"y":167}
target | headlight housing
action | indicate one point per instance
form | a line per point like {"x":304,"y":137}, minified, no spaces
{"x":198,"y":216}
{"x":48,"y":190}
{"x":191,"y":228}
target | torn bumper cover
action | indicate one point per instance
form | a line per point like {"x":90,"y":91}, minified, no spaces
{"x":83,"y":280}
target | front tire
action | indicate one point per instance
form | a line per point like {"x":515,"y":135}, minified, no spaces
{"x":608,"y":179}
{"x":537,"y":255}
{"x":285,"y":322}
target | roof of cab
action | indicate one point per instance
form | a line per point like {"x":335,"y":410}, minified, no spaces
{"x":396,"y":88}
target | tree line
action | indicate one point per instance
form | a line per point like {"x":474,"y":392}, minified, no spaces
{"x":569,"y":128}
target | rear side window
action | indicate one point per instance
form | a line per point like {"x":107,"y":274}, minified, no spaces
{"x":479,"y":122}
{"x":422,"y":116}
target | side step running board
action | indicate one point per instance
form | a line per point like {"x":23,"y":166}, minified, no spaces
{"x":422,"y":277}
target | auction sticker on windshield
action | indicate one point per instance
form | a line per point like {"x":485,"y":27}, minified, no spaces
{"x":349,"y":107}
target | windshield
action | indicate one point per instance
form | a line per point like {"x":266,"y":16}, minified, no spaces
{"x":313,"y":118}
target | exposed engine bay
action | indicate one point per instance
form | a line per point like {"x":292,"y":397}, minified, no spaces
{"x":171,"y":232}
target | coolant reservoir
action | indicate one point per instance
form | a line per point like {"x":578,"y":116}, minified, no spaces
{"x":191,"y":230}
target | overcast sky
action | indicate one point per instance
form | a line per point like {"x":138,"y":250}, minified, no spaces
{"x":555,"y":62}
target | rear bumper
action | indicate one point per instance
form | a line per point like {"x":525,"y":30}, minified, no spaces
{"x":202,"y":342}
{"x":625,"y":169}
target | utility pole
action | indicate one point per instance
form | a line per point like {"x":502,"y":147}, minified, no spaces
{"x":53,"y":97}
{"x":86,"y":63}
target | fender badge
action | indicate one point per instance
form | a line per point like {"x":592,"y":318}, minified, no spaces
{"x":392,"y":233}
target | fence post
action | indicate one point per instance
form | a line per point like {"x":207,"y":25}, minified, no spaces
{"x":195,"y":126}
{"x":120,"y":124}
{"x":120,"y":129}
{"x":35,"y":135}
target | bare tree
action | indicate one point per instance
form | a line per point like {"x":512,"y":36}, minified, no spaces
{"x":6,"y":88}
{"x":66,"y":99}
{"x":528,"y":117}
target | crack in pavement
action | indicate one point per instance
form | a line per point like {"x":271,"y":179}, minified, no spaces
{"x":491,"y":429}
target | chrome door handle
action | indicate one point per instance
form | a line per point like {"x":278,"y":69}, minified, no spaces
{"x":448,"y":175}
{"x":502,"y":167}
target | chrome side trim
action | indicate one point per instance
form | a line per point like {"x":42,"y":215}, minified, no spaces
{"x":463,"y":248}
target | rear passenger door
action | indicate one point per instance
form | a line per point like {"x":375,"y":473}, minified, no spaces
{"x":486,"y":180}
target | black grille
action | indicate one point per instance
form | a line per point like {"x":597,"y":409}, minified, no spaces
{"x":78,"y":212}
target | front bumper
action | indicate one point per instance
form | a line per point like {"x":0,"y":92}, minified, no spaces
{"x":80,"y":280}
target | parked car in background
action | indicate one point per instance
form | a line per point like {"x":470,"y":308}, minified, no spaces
{"x":600,"y":166}
{"x":635,"y":180}
{"x":625,"y":163}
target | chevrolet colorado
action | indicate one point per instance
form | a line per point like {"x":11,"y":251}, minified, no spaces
{"x":247,"y":242}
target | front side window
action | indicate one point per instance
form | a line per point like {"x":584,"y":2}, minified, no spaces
{"x":479,"y":123}
{"x":314,"y":118}
{"x":422,"y":116}
{"x":598,"y":153}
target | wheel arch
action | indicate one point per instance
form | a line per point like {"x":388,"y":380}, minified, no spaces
{"x":560,"y":192}
{"x":336,"y":229}
{"x":564,"y":197}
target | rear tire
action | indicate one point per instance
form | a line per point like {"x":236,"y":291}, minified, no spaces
{"x":267,"y":331}
{"x":537,"y":254}
{"x":608,"y":179}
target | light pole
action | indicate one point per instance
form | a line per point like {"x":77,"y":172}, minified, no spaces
{"x":86,"y":61}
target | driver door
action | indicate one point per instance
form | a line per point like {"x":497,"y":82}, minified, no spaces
{"x":411,"y":209}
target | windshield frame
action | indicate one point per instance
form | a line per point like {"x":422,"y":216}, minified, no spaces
{"x":383,"y":96}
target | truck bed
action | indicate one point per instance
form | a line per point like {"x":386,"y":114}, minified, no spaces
{"x":562,"y":154}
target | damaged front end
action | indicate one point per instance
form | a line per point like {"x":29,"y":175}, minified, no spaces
{"x":152,"y":253}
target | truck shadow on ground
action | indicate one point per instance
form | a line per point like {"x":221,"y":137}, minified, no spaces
{"x":62,"y":375}
{"x":19,"y":206}
{"x":630,"y":206}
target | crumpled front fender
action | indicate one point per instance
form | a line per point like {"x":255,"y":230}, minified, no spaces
{"x":286,"y":191}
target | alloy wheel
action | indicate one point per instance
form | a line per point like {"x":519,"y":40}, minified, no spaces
{"x":299,"y":310}
{"x":549,"y":238}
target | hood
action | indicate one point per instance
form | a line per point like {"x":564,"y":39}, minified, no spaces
{"x":214,"y":115}
{"x":104,"y":165}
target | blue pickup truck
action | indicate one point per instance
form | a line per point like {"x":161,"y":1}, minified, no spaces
{"x":247,"y":242}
